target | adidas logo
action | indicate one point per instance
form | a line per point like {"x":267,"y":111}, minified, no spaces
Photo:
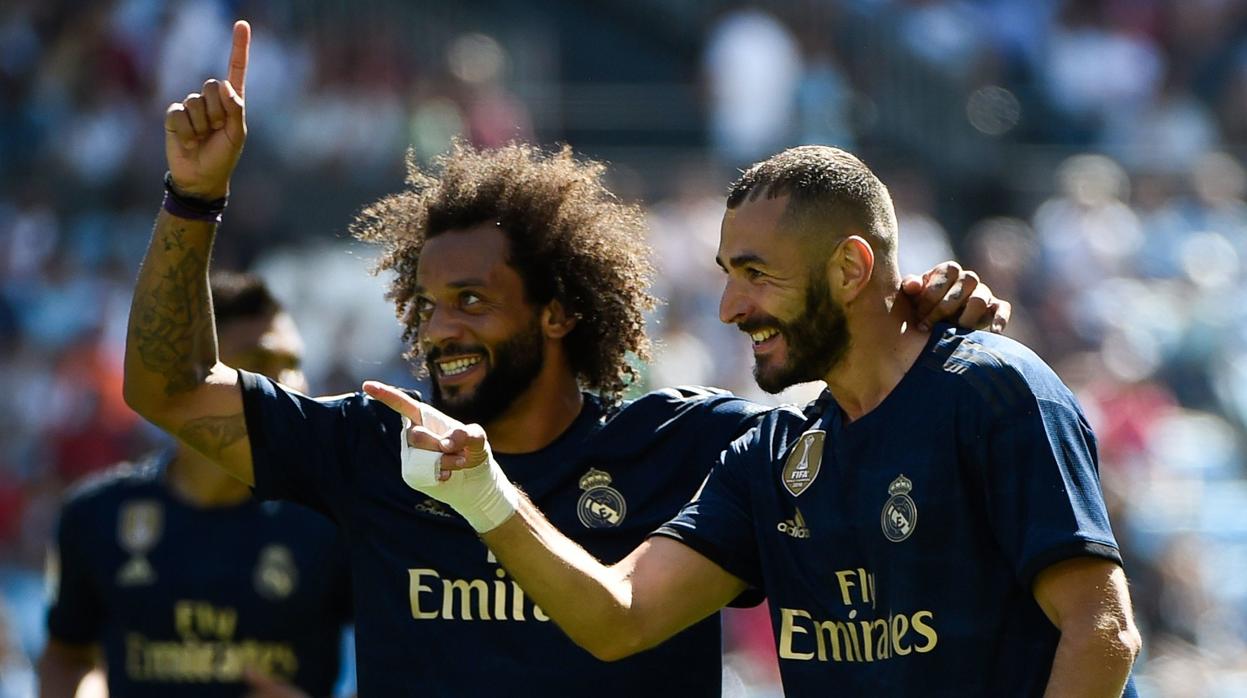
{"x":432,"y":506}
{"x":795,"y":526}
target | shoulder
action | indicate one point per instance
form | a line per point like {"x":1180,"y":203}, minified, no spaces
{"x":267,"y":395}
{"x":104,"y":490}
{"x":1004,"y":375}
{"x":691,"y":402}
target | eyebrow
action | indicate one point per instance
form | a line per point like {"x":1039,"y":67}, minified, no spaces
{"x":460,"y":283}
{"x":739,"y":260}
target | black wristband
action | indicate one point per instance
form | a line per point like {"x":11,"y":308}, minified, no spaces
{"x":189,"y":207}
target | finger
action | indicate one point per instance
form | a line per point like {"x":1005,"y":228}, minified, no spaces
{"x":212,"y":104}
{"x":938,"y":280}
{"x":177,"y":123}
{"x":230,"y":99}
{"x":238,"y":57}
{"x":1003,"y":311}
{"x":911,"y":285}
{"x":419,"y":437}
{"x":954,"y":300}
{"x":975,"y":315}
{"x":395,"y":399}
{"x":197,"y":113}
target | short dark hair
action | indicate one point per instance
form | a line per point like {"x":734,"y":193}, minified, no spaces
{"x":571,"y":240}
{"x":827,"y":185}
{"x":240,"y":296}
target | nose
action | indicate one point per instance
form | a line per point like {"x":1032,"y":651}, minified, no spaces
{"x":440,"y":327}
{"x":733,"y":304}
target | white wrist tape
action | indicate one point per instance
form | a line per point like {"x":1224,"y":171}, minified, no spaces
{"x":482,"y":495}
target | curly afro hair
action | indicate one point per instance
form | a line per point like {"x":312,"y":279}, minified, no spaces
{"x":571,"y":239}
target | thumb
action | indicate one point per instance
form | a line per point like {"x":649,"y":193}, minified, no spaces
{"x":911,"y":285}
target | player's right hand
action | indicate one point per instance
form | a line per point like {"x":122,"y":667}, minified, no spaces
{"x":469,"y":478}
{"x":204,"y":133}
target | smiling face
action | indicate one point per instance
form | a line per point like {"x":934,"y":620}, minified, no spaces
{"x":482,"y":340}
{"x":778,"y":294}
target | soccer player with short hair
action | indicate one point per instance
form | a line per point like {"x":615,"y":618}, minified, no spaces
{"x":932,"y":525}
{"x":521,"y":282}
{"x":182,"y":581}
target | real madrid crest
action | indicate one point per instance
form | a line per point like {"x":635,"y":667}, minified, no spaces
{"x":900,"y":514}
{"x":804,"y":461}
{"x":275,"y":573}
{"x":139,"y":526}
{"x":601,"y":506}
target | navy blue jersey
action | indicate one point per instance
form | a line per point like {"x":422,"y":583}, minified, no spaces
{"x":898,"y":551}
{"x":182,"y":599}
{"x":436,"y":615}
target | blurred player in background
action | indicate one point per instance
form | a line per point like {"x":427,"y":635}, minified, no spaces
{"x":185,"y":583}
{"x":932,"y":525}
{"x":522,"y":284}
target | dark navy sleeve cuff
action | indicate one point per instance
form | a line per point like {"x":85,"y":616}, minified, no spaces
{"x":255,"y":390}
{"x":1067,"y":551}
{"x":715,"y":553}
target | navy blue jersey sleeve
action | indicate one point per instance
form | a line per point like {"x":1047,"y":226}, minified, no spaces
{"x":76,"y":611}
{"x":301,"y":447}
{"x":718,"y":522}
{"x":1037,"y":458}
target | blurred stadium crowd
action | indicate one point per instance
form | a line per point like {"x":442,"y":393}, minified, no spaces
{"x":1084,"y":156}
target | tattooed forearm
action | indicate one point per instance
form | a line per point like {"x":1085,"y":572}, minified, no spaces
{"x":173,"y":324}
{"x":212,"y":435}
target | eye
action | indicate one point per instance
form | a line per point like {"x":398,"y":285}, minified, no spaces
{"x":424,"y":308}
{"x":753,"y":273}
{"x":469,"y":299}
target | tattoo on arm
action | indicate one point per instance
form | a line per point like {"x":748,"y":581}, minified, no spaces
{"x":212,"y":435}
{"x":174,"y":332}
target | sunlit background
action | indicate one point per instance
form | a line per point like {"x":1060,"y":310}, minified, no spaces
{"x":1084,"y":156}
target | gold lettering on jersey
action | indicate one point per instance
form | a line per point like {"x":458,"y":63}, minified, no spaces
{"x":207,"y":651}
{"x":803,"y":637}
{"x":803,"y":462}
{"x":433,"y":597}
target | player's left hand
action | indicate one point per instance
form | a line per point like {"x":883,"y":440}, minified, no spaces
{"x":946,"y":292}
{"x":262,"y":686}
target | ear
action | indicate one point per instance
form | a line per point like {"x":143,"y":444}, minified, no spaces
{"x":556,"y":322}
{"x":850,"y":268}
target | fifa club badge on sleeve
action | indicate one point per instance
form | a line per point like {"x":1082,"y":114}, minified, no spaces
{"x":804,"y":461}
{"x":900,"y":514}
{"x":138,"y":529}
{"x":601,"y":506}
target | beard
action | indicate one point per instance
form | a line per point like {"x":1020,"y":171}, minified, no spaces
{"x":816,"y":341}
{"x":513,"y":368}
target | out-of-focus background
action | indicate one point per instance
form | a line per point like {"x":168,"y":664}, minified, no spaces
{"x":1084,"y":156}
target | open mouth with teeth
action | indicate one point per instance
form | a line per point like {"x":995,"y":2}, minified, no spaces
{"x":764,"y":338}
{"x":458,"y":366}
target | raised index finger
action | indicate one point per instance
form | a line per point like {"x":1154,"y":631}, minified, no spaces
{"x":396,"y":400}
{"x":238,"y":56}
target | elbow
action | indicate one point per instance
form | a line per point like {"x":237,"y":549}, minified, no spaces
{"x":1130,"y":643}
{"x":614,"y":648}
{"x":617,"y":640}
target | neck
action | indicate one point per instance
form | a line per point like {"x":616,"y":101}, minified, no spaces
{"x":885,"y":343}
{"x":538,"y":416}
{"x":202,"y":483}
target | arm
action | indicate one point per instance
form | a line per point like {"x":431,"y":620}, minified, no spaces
{"x":1086,"y":598}
{"x":661,"y":588}
{"x":62,"y":668}
{"x":172,"y":376}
